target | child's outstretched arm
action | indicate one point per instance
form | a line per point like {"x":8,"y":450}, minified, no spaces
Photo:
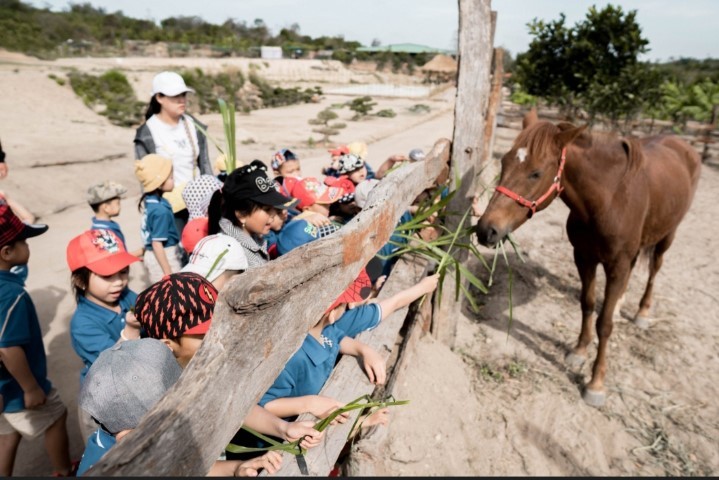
{"x":263,"y":421}
{"x":270,"y":462}
{"x":15,"y":361}
{"x":405,"y":297}
{"x":318,"y":405}
{"x":374,"y":365}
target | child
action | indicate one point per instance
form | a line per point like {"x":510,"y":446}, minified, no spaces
{"x":159,"y":233}
{"x":104,"y":199}
{"x":344,"y":209}
{"x":178,"y":311}
{"x":26,"y":216}
{"x":125,"y":383}
{"x":99,"y":266}
{"x":352,"y":166}
{"x":315,"y":197}
{"x":196,"y":195}
{"x":285,"y":164}
{"x":31,"y":405}
{"x":217,"y":258}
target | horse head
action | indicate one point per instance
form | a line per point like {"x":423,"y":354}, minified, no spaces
{"x":530,"y":178}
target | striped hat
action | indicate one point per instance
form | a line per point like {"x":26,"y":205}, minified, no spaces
{"x":179,"y":304}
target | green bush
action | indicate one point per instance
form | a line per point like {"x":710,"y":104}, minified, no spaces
{"x":386,"y":113}
{"x":110,"y":94}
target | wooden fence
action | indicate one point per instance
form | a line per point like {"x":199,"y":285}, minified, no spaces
{"x":262,"y":316}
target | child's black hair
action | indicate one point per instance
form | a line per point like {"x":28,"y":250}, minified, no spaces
{"x":79,"y":281}
{"x":223,"y":207}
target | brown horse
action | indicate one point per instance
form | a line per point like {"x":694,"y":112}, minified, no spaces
{"x":625,"y":196}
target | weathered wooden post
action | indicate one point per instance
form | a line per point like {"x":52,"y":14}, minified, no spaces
{"x":473,"y":82}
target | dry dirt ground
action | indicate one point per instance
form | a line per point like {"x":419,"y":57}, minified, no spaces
{"x":502,"y":402}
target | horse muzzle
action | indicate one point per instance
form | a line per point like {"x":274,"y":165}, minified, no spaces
{"x":489,"y":234}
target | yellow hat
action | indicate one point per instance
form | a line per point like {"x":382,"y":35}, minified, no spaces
{"x":152,"y":171}
{"x":359,"y":149}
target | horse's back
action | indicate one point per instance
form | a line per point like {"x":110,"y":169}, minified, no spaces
{"x":672,"y":168}
{"x":674,"y":157}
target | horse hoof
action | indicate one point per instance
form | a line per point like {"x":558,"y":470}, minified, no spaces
{"x":594,"y":398}
{"x":642,"y":322}
{"x":574,"y":361}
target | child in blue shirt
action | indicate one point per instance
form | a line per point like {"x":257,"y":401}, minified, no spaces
{"x":159,"y":232}
{"x":99,"y":266}
{"x":31,"y":406}
{"x":104,"y":199}
{"x":124,"y":384}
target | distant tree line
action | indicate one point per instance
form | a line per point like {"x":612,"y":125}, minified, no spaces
{"x":593,"y":69}
{"x":39,"y":31}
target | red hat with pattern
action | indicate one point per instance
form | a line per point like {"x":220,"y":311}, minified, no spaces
{"x":179,"y":304}
{"x":345,"y":184}
{"x":360,"y":289}
{"x":12,"y":228}
{"x":309,"y":191}
{"x":101,"y":251}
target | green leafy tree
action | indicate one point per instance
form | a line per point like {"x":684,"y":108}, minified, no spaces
{"x":326,"y":129}
{"x":593,"y":65}
{"x":362,"y":106}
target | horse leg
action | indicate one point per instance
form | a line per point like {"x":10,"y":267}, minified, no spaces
{"x":587,"y":269}
{"x":641,"y":319}
{"x":617,"y":278}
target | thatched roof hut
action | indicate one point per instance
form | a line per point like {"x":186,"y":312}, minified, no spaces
{"x":442,"y":68}
{"x":441,"y":63}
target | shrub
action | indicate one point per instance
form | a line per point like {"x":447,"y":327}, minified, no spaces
{"x":386,"y":113}
{"x":110,"y":94}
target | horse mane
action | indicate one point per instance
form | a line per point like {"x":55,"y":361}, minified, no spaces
{"x":540,"y":137}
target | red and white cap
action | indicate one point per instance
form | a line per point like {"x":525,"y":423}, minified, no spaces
{"x":100,"y":251}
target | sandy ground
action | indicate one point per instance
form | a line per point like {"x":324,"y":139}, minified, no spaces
{"x":502,"y":402}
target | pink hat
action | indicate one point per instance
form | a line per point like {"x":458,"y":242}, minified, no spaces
{"x":100,"y":251}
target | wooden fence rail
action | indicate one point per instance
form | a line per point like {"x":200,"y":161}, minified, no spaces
{"x":260,"y":321}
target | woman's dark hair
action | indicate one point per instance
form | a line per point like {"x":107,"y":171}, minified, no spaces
{"x":78,"y":281}
{"x":222,"y":206}
{"x":153,"y":107}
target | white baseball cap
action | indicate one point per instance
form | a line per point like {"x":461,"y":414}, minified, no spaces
{"x":219,"y":250}
{"x":170,"y":84}
{"x":362,"y":191}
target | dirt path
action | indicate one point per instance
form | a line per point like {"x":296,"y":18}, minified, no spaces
{"x":512,"y":407}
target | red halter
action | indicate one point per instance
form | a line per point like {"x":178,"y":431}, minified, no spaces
{"x":532,"y":206}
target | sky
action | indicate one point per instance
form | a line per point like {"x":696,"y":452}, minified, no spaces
{"x":674,"y":28}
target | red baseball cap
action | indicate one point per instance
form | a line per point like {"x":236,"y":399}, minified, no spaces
{"x":360,"y":289}
{"x":309,"y":191}
{"x":100,"y":251}
{"x":340,"y":150}
{"x":12,"y":228}
{"x":195,"y":230}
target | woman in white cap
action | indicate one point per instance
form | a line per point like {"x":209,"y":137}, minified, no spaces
{"x":170,"y":132}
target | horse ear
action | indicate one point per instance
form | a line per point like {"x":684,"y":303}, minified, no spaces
{"x":568,"y":133}
{"x":530,"y":118}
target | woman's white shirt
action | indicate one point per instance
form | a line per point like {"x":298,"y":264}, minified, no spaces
{"x":172,"y":142}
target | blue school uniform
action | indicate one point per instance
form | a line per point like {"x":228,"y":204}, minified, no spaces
{"x":97,"y":445}
{"x":158,"y":223}
{"x":21,"y":326}
{"x":111,"y":225}
{"x":310,"y":367}
{"x":94,"y":328}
